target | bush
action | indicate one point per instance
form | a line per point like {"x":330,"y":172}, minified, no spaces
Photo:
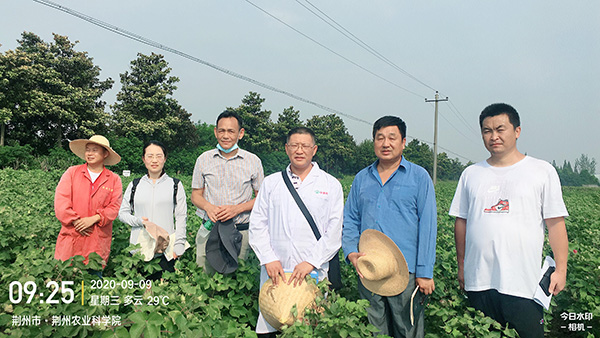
{"x":16,"y":156}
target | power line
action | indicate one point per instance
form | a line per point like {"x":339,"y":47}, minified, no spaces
{"x":455,"y":128}
{"x":331,"y":50}
{"x":149,"y":42}
{"x":358,"y":41}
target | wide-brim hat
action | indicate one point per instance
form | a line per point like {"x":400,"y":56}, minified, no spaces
{"x":384,"y":268}
{"x":276,"y":301}
{"x":223,"y":247}
{"x":153,"y":240}
{"x":78,"y":148}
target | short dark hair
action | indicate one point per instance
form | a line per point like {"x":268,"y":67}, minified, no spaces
{"x":301,"y":130}
{"x":230,"y":113}
{"x":498,"y":109}
{"x":387,"y":121}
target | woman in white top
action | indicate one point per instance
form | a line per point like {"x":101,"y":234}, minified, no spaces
{"x":159,"y":199}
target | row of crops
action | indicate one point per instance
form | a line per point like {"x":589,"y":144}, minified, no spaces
{"x":190,"y":303}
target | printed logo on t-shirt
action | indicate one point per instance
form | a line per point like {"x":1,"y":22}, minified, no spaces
{"x":499,"y":208}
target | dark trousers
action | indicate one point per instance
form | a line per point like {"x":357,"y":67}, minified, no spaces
{"x":391,"y":315}
{"x":522,"y":314}
{"x":165,"y":265}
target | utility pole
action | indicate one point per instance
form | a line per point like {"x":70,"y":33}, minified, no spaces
{"x":435,"y":133}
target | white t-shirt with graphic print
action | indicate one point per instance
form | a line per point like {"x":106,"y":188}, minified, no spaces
{"x":505,"y":208}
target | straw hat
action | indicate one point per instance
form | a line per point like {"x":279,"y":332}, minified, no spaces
{"x":78,"y":148}
{"x":384,"y":268}
{"x":276,"y":302}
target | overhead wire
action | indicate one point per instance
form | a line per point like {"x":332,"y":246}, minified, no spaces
{"x":358,"y":41}
{"x":452,"y":125}
{"x":461,"y":116}
{"x":151,"y":43}
{"x":141,"y":39}
{"x":331,"y":50}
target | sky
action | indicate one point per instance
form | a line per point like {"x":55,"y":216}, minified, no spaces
{"x":542,"y":57}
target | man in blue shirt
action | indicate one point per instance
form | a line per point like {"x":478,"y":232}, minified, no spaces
{"x":397,"y":198}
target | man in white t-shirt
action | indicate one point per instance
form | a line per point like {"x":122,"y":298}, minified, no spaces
{"x":501,"y":206}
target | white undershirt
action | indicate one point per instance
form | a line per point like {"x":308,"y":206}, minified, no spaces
{"x":94,"y":176}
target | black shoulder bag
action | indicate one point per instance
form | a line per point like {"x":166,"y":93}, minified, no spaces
{"x":334,"y":275}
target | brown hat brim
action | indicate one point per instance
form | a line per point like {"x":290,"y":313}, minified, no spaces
{"x":373,"y":241}
{"x":78,"y":148}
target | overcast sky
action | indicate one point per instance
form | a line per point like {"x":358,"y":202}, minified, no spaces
{"x":542,"y":57}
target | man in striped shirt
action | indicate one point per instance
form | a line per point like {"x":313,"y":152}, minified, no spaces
{"x":223,"y":182}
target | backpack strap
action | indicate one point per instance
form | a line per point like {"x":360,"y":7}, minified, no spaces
{"x":135,"y":182}
{"x":175,"y":187}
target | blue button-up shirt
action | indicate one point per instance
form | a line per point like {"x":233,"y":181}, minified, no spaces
{"x":403,"y":208}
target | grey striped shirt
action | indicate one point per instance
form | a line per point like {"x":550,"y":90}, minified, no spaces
{"x":227,"y":181}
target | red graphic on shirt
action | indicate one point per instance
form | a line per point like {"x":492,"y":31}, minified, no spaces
{"x":499,"y":208}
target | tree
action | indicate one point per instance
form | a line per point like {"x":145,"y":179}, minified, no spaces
{"x":448,"y":168}
{"x":50,"y":93}
{"x":257,"y":122}
{"x":364,"y":155}
{"x":336,"y":145}
{"x":286,"y":120}
{"x":145,"y":108}
{"x":583,"y":163}
{"x":419,"y":153}
{"x":578,"y":177}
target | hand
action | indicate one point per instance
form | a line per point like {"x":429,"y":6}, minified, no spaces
{"x":85,"y":222}
{"x":227,"y":212}
{"x":274,"y":269}
{"x":300,"y":272}
{"x":353,"y":258}
{"x":558,"y":280}
{"x":211,"y":212}
{"x":461,"y":278}
{"x":426,"y":285}
{"x":86,"y":232}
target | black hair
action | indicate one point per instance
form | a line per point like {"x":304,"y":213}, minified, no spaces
{"x":301,"y":130}
{"x":230,"y":113}
{"x":156,"y":143}
{"x":388,"y":121}
{"x":498,"y":109}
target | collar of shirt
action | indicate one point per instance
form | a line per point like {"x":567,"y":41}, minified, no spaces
{"x":162,"y":178}
{"x":373,"y":169}
{"x":240,"y":154}
{"x":296,"y":181}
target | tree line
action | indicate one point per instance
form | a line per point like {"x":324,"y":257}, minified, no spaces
{"x":50,"y":93}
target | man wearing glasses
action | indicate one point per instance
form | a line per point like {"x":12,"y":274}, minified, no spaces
{"x":280,"y":234}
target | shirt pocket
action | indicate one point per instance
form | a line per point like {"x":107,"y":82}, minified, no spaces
{"x":404,"y":198}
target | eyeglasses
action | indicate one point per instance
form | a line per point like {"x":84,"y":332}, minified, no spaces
{"x":152,"y":156}
{"x":303,"y":147}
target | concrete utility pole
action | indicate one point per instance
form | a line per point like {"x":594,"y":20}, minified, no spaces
{"x":435,"y":142}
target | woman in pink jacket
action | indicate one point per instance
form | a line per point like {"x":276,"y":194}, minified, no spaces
{"x":87,"y":200}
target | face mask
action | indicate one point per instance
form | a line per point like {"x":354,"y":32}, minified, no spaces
{"x":227,"y":151}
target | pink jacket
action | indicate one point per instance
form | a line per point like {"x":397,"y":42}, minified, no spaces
{"x":74,"y":199}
